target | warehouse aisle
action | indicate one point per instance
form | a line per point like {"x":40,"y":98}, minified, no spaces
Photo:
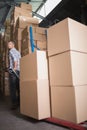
{"x":13,"y":120}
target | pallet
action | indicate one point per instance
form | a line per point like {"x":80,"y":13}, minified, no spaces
{"x":67,"y":124}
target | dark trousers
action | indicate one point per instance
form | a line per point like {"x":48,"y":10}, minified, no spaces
{"x":14,"y":88}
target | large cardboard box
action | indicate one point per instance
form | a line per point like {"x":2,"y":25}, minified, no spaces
{"x":39,"y":37}
{"x":26,"y":46}
{"x":34,"y":66}
{"x":23,"y":21}
{"x":37,"y":30}
{"x":68,"y":68}
{"x":67,"y":35}
{"x":12,"y":37}
{"x":26,"y":6}
{"x":25,"y":32}
{"x":19,"y":12}
{"x":42,"y":45}
{"x":36,"y":36}
{"x":34,"y":99}
{"x":18,"y":33}
{"x":18,"y":45}
{"x":26,"y":51}
{"x":69,"y":103}
{"x":41,"y":30}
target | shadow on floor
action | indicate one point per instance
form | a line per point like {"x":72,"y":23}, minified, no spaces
{"x":13,"y":120}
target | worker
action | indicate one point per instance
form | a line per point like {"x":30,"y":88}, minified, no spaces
{"x":14,"y":64}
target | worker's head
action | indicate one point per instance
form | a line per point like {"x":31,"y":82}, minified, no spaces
{"x":11,"y":45}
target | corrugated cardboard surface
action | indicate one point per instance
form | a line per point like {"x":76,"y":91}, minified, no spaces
{"x":18,"y":33}
{"x":34,"y":66}
{"x":23,"y":21}
{"x":19,"y":12}
{"x":36,"y":36}
{"x":39,"y":37}
{"x":69,"y":103}
{"x":34,"y":98}
{"x":42,"y":45}
{"x":37,"y":30}
{"x":26,"y":51}
{"x":18,"y":45}
{"x":41,"y":30}
{"x":15,"y":16}
{"x":68,"y":68}
{"x":67,"y":35}
{"x":26,"y":6}
{"x":26,"y":46}
{"x":78,"y":36}
{"x":26,"y":31}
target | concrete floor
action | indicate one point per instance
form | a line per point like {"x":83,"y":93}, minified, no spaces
{"x":13,"y":120}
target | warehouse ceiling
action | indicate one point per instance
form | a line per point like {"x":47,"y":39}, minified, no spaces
{"x":7,"y":5}
{"x":75,"y":9}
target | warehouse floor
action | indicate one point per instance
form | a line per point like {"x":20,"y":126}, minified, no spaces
{"x":13,"y":120}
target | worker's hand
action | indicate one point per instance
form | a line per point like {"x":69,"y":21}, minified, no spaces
{"x":15,"y":69}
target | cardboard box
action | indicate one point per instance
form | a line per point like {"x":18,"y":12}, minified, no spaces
{"x":67,"y":35}
{"x":34,"y":99}
{"x":39,"y":37}
{"x":8,"y":30}
{"x":69,"y":103}
{"x":41,"y":30}
{"x":26,"y":6}
{"x":42,"y":45}
{"x":25,"y":32}
{"x":35,"y":68}
{"x":25,"y":44}
{"x":19,"y":12}
{"x":23,"y":21}
{"x":18,"y":34}
{"x":6,"y":84}
{"x":36,"y":36}
{"x":26,"y":47}
{"x":26,"y":51}
{"x":12,"y":37}
{"x":18,"y":45}
{"x":68,"y":68}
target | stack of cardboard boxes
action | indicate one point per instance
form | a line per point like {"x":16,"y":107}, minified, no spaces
{"x":6,"y":39}
{"x":7,"y":31}
{"x":20,"y":18}
{"x":19,"y":11}
{"x":2,"y":63}
{"x":22,"y":22}
{"x":34,"y":83}
{"x":67,"y":56}
{"x":67,"y":51}
{"x":34,"y":86}
{"x":39,"y":37}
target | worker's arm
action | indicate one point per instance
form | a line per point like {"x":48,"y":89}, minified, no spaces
{"x":15,"y":65}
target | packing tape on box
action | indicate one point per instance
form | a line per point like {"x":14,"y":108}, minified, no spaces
{"x":32,"y":40}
